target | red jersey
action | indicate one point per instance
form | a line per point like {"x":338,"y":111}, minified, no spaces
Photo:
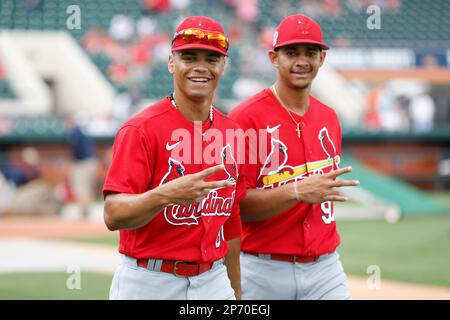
{"x":303,"y":229}
{"x":156,"y":146}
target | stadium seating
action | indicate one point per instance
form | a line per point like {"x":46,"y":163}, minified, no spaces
{"x":5,"y":90}
{"x":414,"y":23}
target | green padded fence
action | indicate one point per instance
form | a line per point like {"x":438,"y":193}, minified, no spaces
{"x":411,"y":200}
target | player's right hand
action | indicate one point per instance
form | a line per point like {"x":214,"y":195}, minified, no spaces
{"x":323,"y":187}
{"x":192,"y":188}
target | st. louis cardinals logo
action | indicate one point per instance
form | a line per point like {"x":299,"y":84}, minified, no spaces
{"x":328,"y":146}
{"x":275,"y":172}
{"x":230,"y":165}
{"x":276,"y":160}
{"x":218,"y":202}
{"x":176,"y":170}
{"x":304,"y":27}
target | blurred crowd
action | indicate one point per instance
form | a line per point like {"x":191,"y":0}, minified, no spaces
{"x":34,"y":183}
{"x":131,"y":51}
{"x":399,"y":112}
{"x":27,"y":187}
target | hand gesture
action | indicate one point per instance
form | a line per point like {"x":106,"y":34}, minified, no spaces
{"x":192,"y":188}
{"x":323,"y":187}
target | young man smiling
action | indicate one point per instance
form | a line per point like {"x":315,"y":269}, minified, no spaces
{"x":178,"y":217}
{"x":289,"y":235}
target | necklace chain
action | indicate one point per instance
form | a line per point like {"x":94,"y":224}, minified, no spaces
{"x":211,"y":113}
{"x":274,"y":90}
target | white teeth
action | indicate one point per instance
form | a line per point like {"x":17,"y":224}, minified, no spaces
{"x":199,"y":79}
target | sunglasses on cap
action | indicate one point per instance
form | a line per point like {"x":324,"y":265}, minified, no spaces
{"x":192,"y":35}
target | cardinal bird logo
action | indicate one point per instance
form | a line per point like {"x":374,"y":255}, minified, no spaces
{"x":328,"y":146}
{"x":229,"y":163}
{"x":304,"y":27}
{"x":176,"y":170}
{"x":276,"y":159}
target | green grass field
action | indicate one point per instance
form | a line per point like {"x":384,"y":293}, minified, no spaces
{"x":112,"y":240}
{"x":413,"y":250}
{"x":52,"y":286}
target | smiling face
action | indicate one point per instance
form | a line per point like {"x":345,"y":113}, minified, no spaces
{"x":297,"y":64}
{"x":196,"y":72}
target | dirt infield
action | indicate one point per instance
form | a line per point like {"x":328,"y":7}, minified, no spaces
{"x":393,"y":290}
{"x":46,"y":231}
{"x":53,"y":227}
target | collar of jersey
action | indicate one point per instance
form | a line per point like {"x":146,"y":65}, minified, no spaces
{"x":296,"y":116}
{"x":206,"y":124}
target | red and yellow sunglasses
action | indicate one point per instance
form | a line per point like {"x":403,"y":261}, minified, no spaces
{"x":193,"y":35}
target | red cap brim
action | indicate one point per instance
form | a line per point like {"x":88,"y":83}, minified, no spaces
{"x":323,"y":45}
{"x":199,"y":46}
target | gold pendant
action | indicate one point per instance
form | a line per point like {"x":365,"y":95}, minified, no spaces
{"x":298,"y":130}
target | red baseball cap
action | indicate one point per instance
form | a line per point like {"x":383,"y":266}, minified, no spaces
{"x":298,"y":28}
{"x":199,"y":32}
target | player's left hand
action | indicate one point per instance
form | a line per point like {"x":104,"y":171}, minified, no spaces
{"x":323,"y":187}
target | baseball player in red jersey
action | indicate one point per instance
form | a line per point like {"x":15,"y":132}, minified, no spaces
{"x":289,"y":235}
{"x":176,"y":209}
